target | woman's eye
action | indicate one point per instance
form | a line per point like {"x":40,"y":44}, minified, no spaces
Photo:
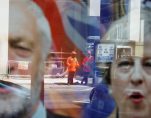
{"x":147,"y":63}
{"x":125,"y":63}
{"x":124,"y":66}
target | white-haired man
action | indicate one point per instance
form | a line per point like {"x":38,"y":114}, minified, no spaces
{"x":29,"y":40}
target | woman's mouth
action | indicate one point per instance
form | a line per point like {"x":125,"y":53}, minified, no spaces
{"x":136,"y":97}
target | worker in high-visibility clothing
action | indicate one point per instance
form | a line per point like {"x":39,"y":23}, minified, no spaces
{"x":72,"y":65}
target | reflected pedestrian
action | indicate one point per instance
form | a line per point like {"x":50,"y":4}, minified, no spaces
{"x":72,"y":65}
{"x":87,"y":65}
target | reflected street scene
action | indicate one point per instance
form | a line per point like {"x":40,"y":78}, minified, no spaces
{"x":75,"y":58}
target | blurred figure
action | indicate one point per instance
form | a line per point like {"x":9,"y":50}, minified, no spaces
{"x":72,"y":65}
{"x":101,"y":103}
{"x":87,"y":66}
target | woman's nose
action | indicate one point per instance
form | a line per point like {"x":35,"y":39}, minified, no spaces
{"x":137,"y":74}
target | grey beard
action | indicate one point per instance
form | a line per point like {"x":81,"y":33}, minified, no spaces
{"x":25,"y":112}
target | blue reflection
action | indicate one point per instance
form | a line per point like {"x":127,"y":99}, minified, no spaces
{"x":101,"y":103}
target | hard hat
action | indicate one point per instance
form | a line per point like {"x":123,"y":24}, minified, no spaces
{"x":73,"y":52}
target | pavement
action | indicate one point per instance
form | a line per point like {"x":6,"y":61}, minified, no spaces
{"x":60,"y":98}
{"x":57,"y":94}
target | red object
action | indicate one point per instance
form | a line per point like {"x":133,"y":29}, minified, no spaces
{"x":60,"y":39}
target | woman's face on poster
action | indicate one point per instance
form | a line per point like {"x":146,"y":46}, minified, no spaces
{"x":131,"y":83}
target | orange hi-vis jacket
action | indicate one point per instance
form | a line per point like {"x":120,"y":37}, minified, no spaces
{"x":72,"y":64}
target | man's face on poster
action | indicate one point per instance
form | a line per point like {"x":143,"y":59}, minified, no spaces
{"x":22,"y":46}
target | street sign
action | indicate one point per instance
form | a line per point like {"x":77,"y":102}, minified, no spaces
{"x":105,"y":52}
